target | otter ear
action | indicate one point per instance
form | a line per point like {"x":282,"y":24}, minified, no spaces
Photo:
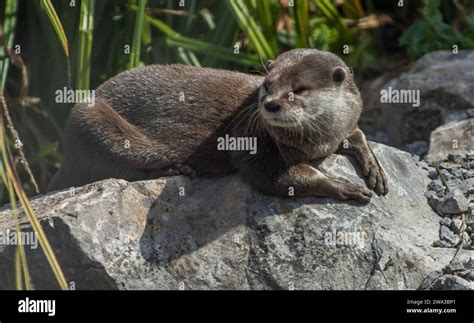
{"x":338,"y":74}
{"x":268,"y":65}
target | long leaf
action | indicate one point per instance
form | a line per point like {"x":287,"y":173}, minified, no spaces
{"x":266,"y":17}
{"x":176,"y":40}
{"x":86,"y":27}
{"x":11,"y":7}
{"x":301,"y":15}
{"x":43,"y":240}
{"x":251,"y":29}
{"x":137,"y":34}
{"x":21,"y":267}
{"x":58,"y":27}
{"x":16,"y":187}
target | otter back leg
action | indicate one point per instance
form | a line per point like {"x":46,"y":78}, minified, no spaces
{"x":102,"y":125}
{"x":358,"y":147}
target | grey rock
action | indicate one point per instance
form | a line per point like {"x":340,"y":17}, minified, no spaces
{"x":470,"y":223}
{"x":467,"y":275}
{"x":417,"y":148}
{"x":470,"y":113}
{"x":449,"y":165}
{"x":454,"y":267}
{"x":378,"y":136}
{"x":457,"y":172}
{"x":222,"y":234}
{"x":446,"y":234}
{"x":453,"y":137}
{"x":457,"y":184}
{"x":455,"y":158}
{"x":456,"y":225}
{"x":459,"y":274}
{"x":432,"y":195}
{"x":442,"y":244}
{"x":433,"y":174}
{"x":446,"y":221}
{"x":470,"y":185}
{"x":452,"y":282}
{"x":466,"y":239}
{"x":437,"y":186}
{"x":467,"y":173}
{"x":454,"y":202}
{"x":440,"y":102}
{"x":468,"y":264}
{"x":432,"y":277}
{"x":446,"y":174}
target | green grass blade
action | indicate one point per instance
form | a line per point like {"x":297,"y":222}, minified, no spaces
{"x":251,"y":29}
{"x":137,"y":34}
{"x":43,"y":240}
{"x":198,"y":46}
{"x":21,"y":268}
{"x":301,"y":16}
{"x":329,"y":11}
{"x":18,"y":272}
{"x":11,"y":7}
{"x":86,"y":27}
{"x":207,"y":17}
{"x":17,"y":189}
{"x":213,"y":50}
{"x":266,"y":17}
{"x":58,"y":27}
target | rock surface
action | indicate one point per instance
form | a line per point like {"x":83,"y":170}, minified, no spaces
{"x":451,"y":193}
{"x":457,"y":275}
{"x":446,"y":84}
{"x":177,"y":233}
{"x":455,"y":137}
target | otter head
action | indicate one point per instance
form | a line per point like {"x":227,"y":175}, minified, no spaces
{"x":311,"y":90}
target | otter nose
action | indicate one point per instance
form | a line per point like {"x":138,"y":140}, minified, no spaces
{"x":272,"y":106}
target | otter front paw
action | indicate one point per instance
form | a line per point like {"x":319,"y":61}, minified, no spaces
{"x":346,"y":190}
{"x":376,"y":178}
{"x":185,"y":170}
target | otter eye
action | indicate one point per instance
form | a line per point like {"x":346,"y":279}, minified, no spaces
{"x":301,"y":88}
{"x":338,"y":75}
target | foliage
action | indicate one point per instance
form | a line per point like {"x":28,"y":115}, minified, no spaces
{"x":432,"y":33}
{"x":8,"y":175}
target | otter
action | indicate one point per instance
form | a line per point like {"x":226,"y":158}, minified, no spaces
{"x":165,"y":120}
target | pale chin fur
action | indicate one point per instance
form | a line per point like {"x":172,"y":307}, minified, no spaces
{"x":334,"y":103}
